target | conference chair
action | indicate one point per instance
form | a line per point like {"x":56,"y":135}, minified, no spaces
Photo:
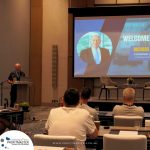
{"x":129,"y":121}
{"x":55,"y":141}
{"x":124,"y":142}
{"x":146,"y":88}
{"x":107,"y":84}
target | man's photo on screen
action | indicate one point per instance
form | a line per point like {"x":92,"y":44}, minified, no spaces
{"x":97,"y":55}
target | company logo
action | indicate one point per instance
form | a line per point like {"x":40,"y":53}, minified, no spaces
{"x":15,"y":140}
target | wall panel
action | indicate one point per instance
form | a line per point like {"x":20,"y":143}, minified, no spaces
{"x":36,"y":49}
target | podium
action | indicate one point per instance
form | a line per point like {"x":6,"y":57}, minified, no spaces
{"x":23,"y":91}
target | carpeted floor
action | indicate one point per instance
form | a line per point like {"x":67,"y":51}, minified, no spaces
{"x":34,"y":120}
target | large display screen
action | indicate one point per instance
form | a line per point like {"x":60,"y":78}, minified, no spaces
{"x":112,"y":45}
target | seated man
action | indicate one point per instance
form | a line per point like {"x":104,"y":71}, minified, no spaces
{"x":128,"y":107}
{"x":84,"y":97}
{"x":70,"y":120}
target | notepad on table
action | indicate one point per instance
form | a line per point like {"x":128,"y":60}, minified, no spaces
{"x":128,"y":133}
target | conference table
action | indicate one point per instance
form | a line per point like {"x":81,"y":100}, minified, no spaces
{"x":98,"y":142}
{"x":13,"y":116}
{"x":106,"y":118}
{"x":107,"y":126}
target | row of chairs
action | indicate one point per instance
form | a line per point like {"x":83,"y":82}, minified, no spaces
{"x":126,"y":141}
{"x":55,"y":141}
{"x":107,"y":85}
{"x":128,"y":121}
{"x":110,"y":141}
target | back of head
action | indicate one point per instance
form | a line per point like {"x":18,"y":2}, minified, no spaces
{"x":128,"y":94}
{"x":71,"y":97}
{"x":85,"y":93}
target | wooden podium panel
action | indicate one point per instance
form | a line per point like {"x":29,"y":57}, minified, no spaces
{"x":23,"y":91}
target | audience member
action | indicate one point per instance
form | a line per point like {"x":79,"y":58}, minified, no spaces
{"x":128,"y":107}
{"x":84,"y":97}
{"x":71,"y":120}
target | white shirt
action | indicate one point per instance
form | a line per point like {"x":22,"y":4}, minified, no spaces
{"x":91,"y":110}
{"x":70,"y":121}
{"x":97,"y":55}
{"x":128,"y":110}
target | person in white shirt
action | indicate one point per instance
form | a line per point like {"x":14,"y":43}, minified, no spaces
{"x":84,"y":97}
{"x":128,"y":107}
{"x":71,"y":120}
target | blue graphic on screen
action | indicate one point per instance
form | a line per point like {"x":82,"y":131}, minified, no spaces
{"x":84,"y":30}
{"x":132,"y":54}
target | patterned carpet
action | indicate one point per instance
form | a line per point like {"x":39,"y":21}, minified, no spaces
{"x":35,"y":119}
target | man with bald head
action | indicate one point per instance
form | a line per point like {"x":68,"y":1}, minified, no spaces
{"x":128,"y":107}
{"x":14,"y":76}
{"x":96,"y":57}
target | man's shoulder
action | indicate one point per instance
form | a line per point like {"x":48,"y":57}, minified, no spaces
{"x":82,"y":109}
{"x":56,"y":109}
{"x":92,"y":109}
{"x":140,"y":108}
{"x":22,"y":73}
{"x":68,"y":109}
{"x":105,"y":50}
{"x":87,"y":50}
{"x":118,"y":106}
{"x":12,"y":72}
{"x":88,"y":107}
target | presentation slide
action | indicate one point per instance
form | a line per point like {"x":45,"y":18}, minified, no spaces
{"x":112,"y":45}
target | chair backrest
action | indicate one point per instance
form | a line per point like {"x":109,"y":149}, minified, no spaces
{"x":55,"y":141}
{"x":147,"y":84}
{"x":124,"y":142}
{"x":105,"y":80}
{"x":129,"y":121}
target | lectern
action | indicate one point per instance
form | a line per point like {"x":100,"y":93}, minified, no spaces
{"x":23,"y":91}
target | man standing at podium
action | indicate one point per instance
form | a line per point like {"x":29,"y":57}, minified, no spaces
{"x":14,"y":76}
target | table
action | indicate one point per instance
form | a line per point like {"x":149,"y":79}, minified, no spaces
{"x":106,"y":118}
{"x":141,"y":131}
{"x":15,"y":117}
{"x":98,"y":142}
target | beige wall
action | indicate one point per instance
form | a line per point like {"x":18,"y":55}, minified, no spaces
{"x":55,"y":31}
{"x":14,"y":35}
{"x":35,"y":55}
{"x":14,"y":38}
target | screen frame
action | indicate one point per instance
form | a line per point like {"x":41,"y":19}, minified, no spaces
{"x":102,"y":11}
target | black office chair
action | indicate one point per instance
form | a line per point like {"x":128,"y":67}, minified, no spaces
{"x":107,"y":84}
